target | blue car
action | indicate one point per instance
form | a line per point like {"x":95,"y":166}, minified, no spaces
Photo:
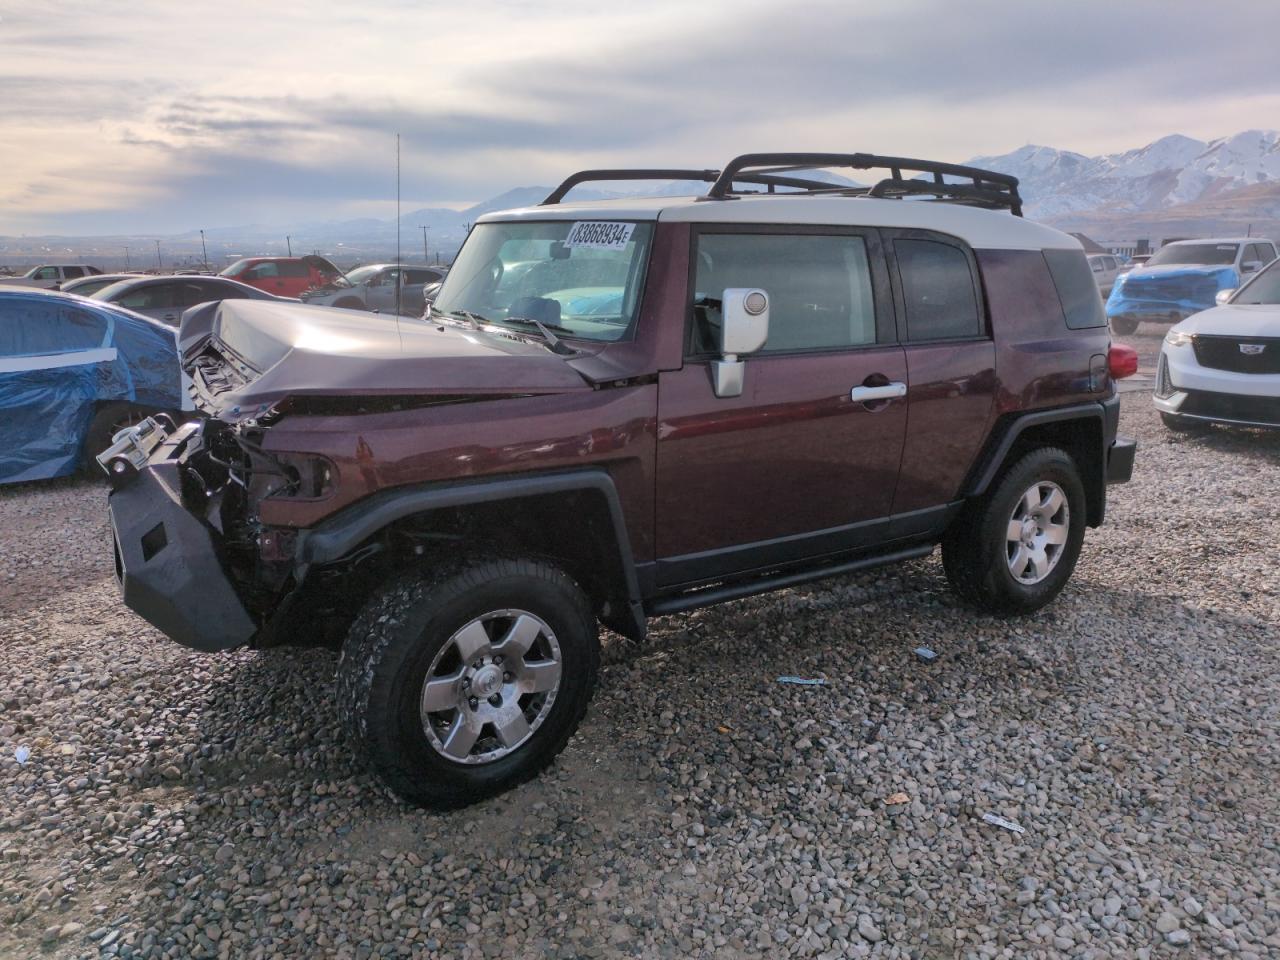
{"x":72,"y":373}
{"x":1183,"y":278}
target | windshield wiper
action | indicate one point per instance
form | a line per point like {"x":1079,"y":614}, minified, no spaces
{"x":545,"y":329}
{"x":475,"y":319}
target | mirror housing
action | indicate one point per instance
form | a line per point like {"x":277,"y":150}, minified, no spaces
{"x":1251,"y":266}
{"x":744,"y":328}
{"x":1223,"y":296}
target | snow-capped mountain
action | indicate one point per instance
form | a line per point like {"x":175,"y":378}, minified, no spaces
{"x":1171,"y":171}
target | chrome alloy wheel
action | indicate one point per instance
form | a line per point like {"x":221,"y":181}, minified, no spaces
{"x":490,"y":686}
{"x":1038,"y":530}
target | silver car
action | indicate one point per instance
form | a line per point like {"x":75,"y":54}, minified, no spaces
{"x":373,"y":287}
{"x":164,"y":298}
{"x":1105,"y":270}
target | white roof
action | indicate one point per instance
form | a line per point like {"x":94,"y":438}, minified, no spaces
{"x":981,"y":229}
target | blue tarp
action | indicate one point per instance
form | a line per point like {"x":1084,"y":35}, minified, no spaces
{"x":61,"y":358}
{"x":1164,"y":293}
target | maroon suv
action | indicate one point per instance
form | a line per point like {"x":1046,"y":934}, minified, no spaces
{"x":616,"y":410}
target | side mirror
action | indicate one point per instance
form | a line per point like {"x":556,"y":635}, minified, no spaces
{"x":1223,"y":296}
{"x":1251,"y":266}
{"x":744,"y":328}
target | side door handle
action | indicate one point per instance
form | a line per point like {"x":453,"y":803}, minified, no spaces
{"x":890,"y":391}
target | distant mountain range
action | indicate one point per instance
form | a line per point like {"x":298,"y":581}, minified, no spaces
{"x":1175,"y":184}
{"x":1175,"y":187}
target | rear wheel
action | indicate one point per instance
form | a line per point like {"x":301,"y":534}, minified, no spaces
{"x":1123,"y":325}
{"x":1013,"y":550}
{"x":461,"y":683}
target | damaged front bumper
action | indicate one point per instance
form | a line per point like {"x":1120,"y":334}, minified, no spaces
{"x":168,"y":558}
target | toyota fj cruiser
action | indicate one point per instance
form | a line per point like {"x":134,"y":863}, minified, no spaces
{"x":617,"y":410}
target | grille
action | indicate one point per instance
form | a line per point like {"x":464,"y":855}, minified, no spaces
{"x":1223,"y":353}
{"x":1230,"y":406}
{"x":1172,"y":289}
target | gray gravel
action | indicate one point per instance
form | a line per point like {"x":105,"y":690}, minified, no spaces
{"x":184,"y":805}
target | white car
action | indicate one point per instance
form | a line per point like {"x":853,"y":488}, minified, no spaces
{"x":49,"y":276}
{"x":1223,"y":365}
{"x":1106,"y":268}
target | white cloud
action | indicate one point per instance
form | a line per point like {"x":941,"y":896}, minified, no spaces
{"x":154,"y":115}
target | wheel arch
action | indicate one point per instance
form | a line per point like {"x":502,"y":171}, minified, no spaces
{"x":571,"y":518}
{"x":1083,"y":430}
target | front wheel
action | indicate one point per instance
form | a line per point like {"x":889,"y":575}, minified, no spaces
{"x":461,"y":683}
{"x":1013,"y":549}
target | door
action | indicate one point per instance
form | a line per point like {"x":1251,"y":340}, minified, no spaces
{"x":380,"y":291}
{"x":160,"y":301}
{"x":795,"y":466}
{"x":50,"y":356}
{"x":951,"y":372}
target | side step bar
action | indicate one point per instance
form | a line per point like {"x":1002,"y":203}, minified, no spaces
{"x":736,"y":591}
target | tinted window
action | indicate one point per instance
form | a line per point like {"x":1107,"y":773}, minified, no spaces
{"x":292,"y":268}
{"x":1260,"y":253}
{"x":1077,"y":290}
{"x":421,"y":276}
{"x":1096,"y":264}
{"x":71,"y":273}
{"x":28,"y":329}
{"x":938,"y":290}
{"x":157,"y":296}
{"x":819,"y":288}
{"x":1195,"y":254}
{"x":1110,"y":263}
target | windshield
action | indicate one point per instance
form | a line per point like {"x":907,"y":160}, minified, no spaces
{"x":361,"y":274}
{"x":1204,"y":254}
{"x":237,"y":268}
{"x":111,"y":290}
{"x":1264,"y":288}
{"x":580,"y":278}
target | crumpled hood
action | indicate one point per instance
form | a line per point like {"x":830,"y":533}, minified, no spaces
{"x":1235,"y":320}
{"x":260,"y":352}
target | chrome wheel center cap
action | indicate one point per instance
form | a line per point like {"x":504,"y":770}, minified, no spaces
{"x":487,"y":681}
{"x":1029,"y":530}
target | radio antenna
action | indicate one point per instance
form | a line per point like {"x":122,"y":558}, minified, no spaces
{"x":399,"y":266}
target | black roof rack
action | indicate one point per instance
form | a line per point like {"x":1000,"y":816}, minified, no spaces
{"x":706,"y":176}
{"x":984,"y":188}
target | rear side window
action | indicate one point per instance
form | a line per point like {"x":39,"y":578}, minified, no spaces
{"x":159,"y":296}
{"x":938,"y":291}
{"x":261,"y":271}
{"x":1077,"y":290}
{"x":820,"y":288}
{"x":72,"y":273}
{"x":293,"y":268}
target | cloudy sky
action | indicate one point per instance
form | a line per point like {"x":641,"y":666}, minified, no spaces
{"x":152,"y":115}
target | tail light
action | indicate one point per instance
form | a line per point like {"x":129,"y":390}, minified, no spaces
{"x":1122,"y":361}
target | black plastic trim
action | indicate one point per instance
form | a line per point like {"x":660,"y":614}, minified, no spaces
{"x":989,"y":466}
{"x":338,"y":535}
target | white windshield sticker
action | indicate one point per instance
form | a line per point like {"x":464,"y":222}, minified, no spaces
{"x":599,"y":234}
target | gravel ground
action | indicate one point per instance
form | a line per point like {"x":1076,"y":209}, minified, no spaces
{"x":184,"y":805}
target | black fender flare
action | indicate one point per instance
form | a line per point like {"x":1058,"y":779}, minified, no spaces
{"x":341,"y":533}
{"x":1104,"y":412}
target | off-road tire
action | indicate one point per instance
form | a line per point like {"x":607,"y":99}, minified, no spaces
{"x":1123,"y":326}
{"x":975,"y":548}
{"x":1182,"y":424}
{"x":390,"y":647}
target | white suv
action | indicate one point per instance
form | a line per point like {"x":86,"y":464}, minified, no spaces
{"x":50,"y":275}
{"x":1223,"y":365}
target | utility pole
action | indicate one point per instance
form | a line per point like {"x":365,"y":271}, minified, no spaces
{"x":126,"y":259}
{"x":204,"y":250}
{"x":425,"y":256}
{"x":288,"y":241}
{"x":159,"y":263}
